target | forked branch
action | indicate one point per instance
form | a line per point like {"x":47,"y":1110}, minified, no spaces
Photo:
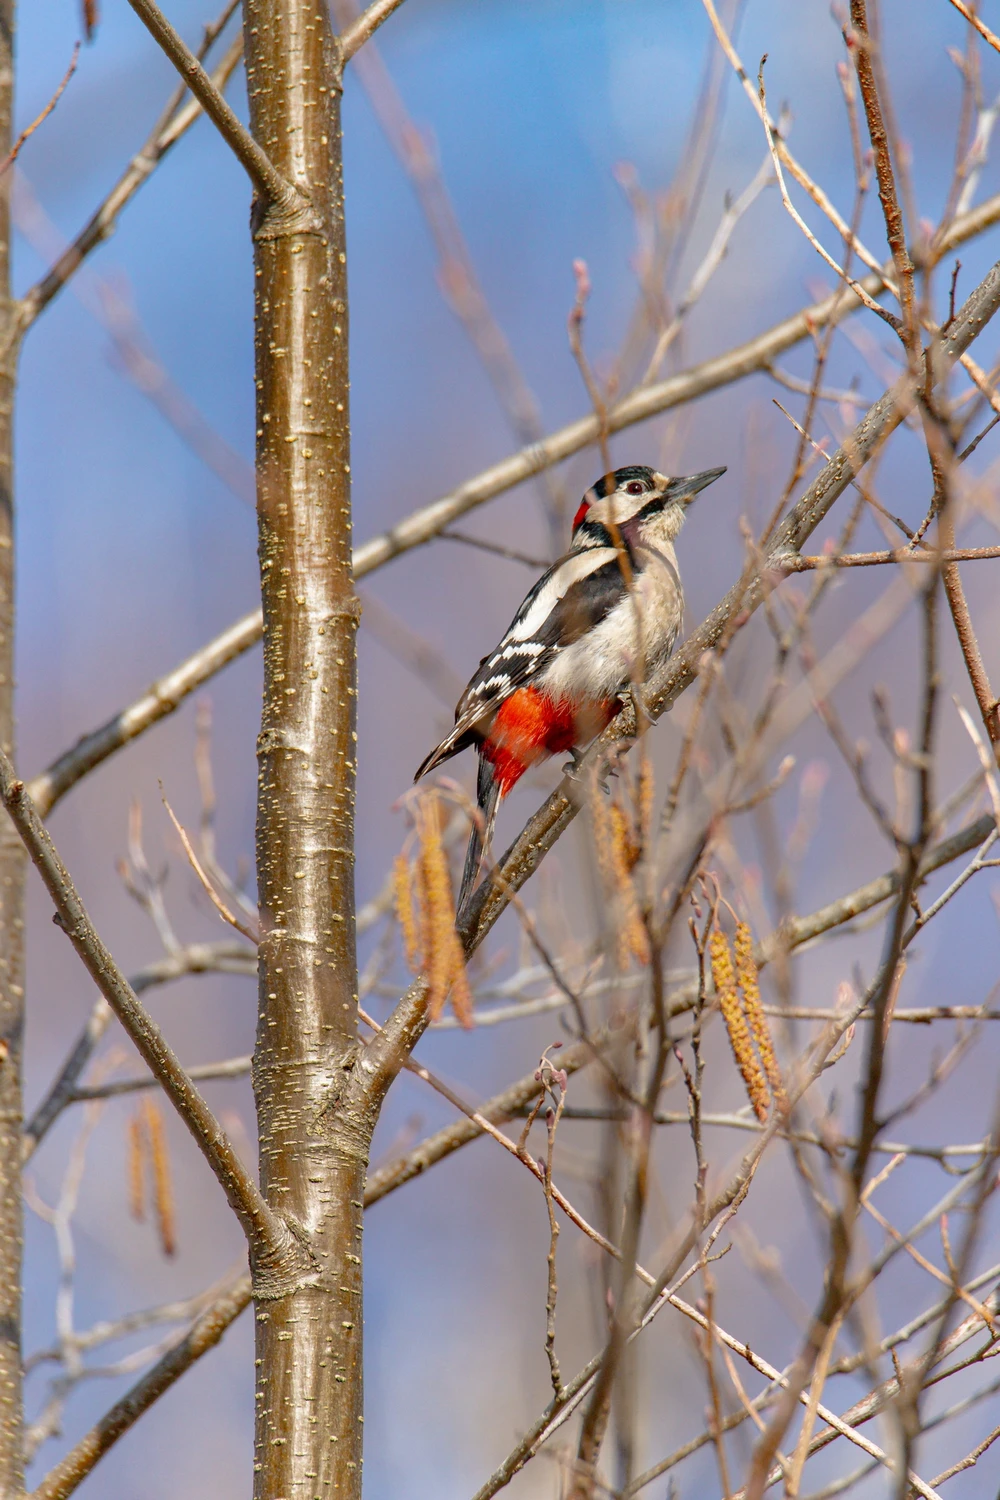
{"x":357,"y":33}
{"x":259,"y":168}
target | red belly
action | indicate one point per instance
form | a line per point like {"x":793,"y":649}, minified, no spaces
{"x":530,"y":726}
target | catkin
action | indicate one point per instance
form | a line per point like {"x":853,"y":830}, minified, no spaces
{"x":136,"y":1149}
{"x":616,"y":856}
{"x":746,"y":970}
{"x":603,"y":836}
{"x":163,"y":1189}
{"x":437,"y":887}
{"x":644,"y":799}
{"x":626,"y":847}
{"x":407,"y":896}
{"x":444,"y":960}
{"x":740,"y":1040}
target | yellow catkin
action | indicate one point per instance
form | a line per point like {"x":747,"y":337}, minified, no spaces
{"x":612,"y":846}
{"x":626,"y":846}
{"x":746,"y":971}
{"x":163,"y":1188}
{"x":600,"y":812}
{"x":644,"y":799}
{"x":736,"y":1025}
{"x":409,"y":910}
{"x":136,"y":1156}
{"x":436,"y":882}
{"x":444,"y":958}
{"x":633,"y":939}
{"x":461,"y":991}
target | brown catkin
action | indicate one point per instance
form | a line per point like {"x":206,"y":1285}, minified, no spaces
{"x":461,"y":992}
{"x":625,"y":852}
{"x":603,"y":836}
{"x":736,"y":1025}
{"x":437,"y":889}
{"x":614,"y":846}
{"x":136,"y":1155}
{"x":746,"y":970}
{"x":644,"y":799}
{"x":443,"y":956}
{"x":163,"y":1188}
{"x":626,"y":847}
{"x":407,"y":898}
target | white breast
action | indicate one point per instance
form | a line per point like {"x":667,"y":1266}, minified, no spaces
{"x":601,"y":663}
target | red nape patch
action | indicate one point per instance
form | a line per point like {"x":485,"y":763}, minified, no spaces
{"x":581,"y":513}
{"x":530,"y":726}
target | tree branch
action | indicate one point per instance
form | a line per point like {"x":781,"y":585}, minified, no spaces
{"x":39,"y":119}
{"x":273,"y":1248}
{"x":981,"y":27}
{"x":195,"y":958}
{"x":801,"y":563}
{"x":103,"y":222}
{"x":160,"y":699}
{"x":354,"y":36}
{"x":266,"y":178}
{"x":313,"y":1147}
{"x":204,"y":1334}
{"x":865,"y":63}
{"x":506,"y":1105}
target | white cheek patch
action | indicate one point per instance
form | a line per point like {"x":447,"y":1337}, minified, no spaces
{"x":617,"y":509}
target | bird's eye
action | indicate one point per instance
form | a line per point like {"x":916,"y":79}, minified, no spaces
{"x":635,"y":488}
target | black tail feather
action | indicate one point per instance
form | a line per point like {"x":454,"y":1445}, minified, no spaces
{"x":488,"y":799}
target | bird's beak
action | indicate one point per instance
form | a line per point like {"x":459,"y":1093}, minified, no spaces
{"x":683,"y":491}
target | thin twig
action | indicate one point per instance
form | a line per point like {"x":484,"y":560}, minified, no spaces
{"x":204,"y":1334}
{"x":172,"y":125}
{"x":209,"y":888}
{"x":865,"y":63}
{"x":856,"y":287}
{"x":497,"y":548}
{"x":981,"y":26}
{"x":196,"y":958}
{"x":801,"y":176}
{"x":29,"y":130}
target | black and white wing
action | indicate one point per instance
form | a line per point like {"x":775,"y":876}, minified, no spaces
{"x":569,"y":600}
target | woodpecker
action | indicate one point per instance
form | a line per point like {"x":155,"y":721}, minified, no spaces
{"x":608,"y":612}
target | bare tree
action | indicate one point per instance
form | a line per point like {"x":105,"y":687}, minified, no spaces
{"x":729,"y":1153}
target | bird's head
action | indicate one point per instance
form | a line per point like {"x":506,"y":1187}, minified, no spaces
{"x":637,"y":500}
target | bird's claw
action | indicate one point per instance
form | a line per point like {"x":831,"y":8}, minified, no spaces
{"x":611,"y":766}
{"x":572,"y":766}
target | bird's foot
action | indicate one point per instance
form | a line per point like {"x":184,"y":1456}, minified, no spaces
{"x":572,"y":766}
{"x":572,"y":770}
{"x":612,"y":765}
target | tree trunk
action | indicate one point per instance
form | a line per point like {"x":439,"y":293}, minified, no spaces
{"x":312,"y":1160}
{"x":12,"y":857}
